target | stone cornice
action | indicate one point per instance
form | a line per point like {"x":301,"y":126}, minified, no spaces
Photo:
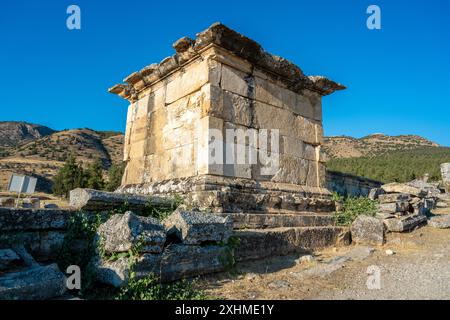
{"x":218,"y":34}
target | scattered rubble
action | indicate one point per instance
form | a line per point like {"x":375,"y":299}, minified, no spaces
{"x":404,"y":206}
{"x":201,"y":246}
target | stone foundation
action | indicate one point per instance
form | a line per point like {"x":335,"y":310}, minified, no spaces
{"x":222,"y":194}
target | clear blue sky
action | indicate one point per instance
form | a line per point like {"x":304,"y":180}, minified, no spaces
{"x":398,"y":78}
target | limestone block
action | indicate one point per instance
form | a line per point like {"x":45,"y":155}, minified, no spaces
{"x":195,"y":75}
{"x":156,"y":98}
{"x":210,"y":146}
{"x":237,"y":109}
{"x":393,"y":197}
{"x":292,"y":170}
{"x":231,"y":60}
{"x":310,"y":152}
{"x":322,"y":169}
{"x":37,"y":283}
{"x":215,"y":72}
{"x":306,"y":130}
{"x":312,"y":179}
{"x":131,"y":114}
{"x":273,"y":94}
{"x":134,"y":171}
{"x":212,"y":103}
{"x":405,"y":223}
{"x":197,"y":227}
{"x":368,"y":230}
{"x":396,"y":187}
{"x":123,"y":232}
{"x":292,"y":147}
{"x":236,"y":81}
{"x":441,"y":221}
{"x":445,"y":172}
{"x":270,"y":117}
{"x":177,"y":262}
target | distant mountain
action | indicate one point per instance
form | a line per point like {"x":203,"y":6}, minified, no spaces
{"x":13,"y":133}
{"x":372,"y":145}
{"x":40,"y":151}
{"x":386,"y":158}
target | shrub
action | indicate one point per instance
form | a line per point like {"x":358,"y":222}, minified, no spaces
{"x":151,"y":288}
{"x":353,"y":207}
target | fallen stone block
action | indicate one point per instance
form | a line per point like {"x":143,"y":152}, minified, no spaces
{"x":38,"y":283}
{"x":401,"y":206}
{"x":375,"y":193}
{"x":368,"y":230}
{"x":396,"y":187}
{"x":176,"y":262}
{"x":8,"y":258}
{"x":394,"y":197}
{"x":406,"y":223}
{"x":95,"y":200}
{"x":197,"y":227}
{"x":441,"y":222}
{"x":123,"y":232}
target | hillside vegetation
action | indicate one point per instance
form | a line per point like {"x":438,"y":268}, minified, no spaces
{"x":396,"y":165}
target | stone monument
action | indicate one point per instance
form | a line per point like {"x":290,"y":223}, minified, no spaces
{"x":228,"y":125}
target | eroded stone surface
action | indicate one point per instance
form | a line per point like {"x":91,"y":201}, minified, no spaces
{"x":368,"y":230}
{"x":123,"y":232}
{"x":198,"y":227}
{"x":37,"y":283}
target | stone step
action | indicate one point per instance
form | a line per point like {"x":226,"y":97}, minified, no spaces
{"x":268,"y":220}
{"x":261,"y":243}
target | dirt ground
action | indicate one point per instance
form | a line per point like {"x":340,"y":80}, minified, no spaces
{"x":418,"y":269}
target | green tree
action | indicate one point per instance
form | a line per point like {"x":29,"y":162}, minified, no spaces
{"x":70,"y":176}
{"x":115,"y":174}
{"x":94,"y":175}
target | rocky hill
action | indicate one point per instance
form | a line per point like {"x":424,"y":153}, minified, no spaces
{"x":13,"y":133}
{"x":41,"y":151}
{"x":373,"y":145}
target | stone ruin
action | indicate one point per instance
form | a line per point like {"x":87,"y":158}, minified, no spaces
{"x":228,"y":125}
{"x":264,"y":183}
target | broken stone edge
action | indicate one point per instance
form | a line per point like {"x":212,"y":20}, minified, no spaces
{"x":220,"y":35}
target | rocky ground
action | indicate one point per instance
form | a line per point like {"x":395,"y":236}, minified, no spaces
{"x":419,"y":268}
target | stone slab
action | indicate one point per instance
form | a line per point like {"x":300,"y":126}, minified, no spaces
{"x":38,"y":283}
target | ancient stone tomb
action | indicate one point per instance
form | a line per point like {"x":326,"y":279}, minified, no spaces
{"x":227,"y":124}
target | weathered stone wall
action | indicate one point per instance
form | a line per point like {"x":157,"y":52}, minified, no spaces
{"x":168,"y":128}
{"x":222,"y":80}
{"x":351,"y":185}
{"x":40,"y":230}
